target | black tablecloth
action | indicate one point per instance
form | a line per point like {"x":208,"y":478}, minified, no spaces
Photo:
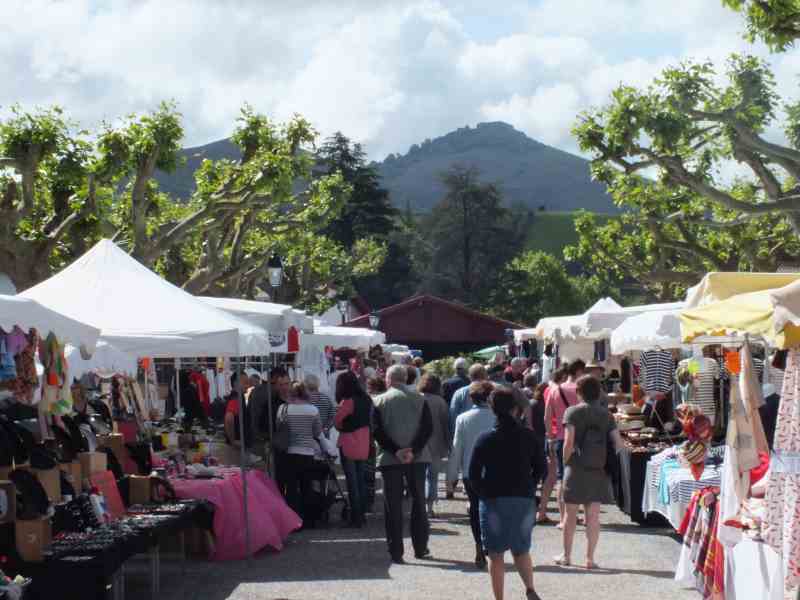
{"x":84,"y":575}
{"x":630,"y":484}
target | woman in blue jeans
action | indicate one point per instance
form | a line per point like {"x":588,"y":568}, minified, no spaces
{"x":353,"y":417}
{"x":507,"y":465}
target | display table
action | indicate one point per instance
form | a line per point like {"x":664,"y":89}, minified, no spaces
{"x":631,"y":482}
{"x":753,"y":571}
{"x":271,"y":519}
{"x":87,"y":566}
{"x":671,"y":498}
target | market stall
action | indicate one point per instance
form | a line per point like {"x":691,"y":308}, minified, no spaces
{"x":141,"y":314}
{"x":770,"y":315}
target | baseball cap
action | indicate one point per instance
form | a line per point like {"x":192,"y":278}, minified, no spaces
{"x":461,"y":364}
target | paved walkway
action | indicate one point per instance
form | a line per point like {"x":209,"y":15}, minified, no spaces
{"x":343,"y":564}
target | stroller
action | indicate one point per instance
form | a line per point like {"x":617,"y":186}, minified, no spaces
{"x":326,"y":492}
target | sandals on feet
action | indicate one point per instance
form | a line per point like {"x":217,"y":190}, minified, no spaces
{"x":562,"y":561}
{"x":591,"y":565}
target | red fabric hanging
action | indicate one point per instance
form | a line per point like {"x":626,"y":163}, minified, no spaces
{"x":293,"y":340}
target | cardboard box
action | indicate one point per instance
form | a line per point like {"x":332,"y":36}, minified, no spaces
{"x":74,"y":474}
{"x":8,"y":502}
{"x":32,"y":537}
{"x":51,"y":482}
{"x":116,"y":443}
{"x":92,"y":462}
{"x":140,"y":489}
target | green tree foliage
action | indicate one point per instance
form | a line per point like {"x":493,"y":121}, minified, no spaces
{"x":536,"y":284}
{"x":775,"y":22}
{"x":471,"y":236}
{"x":667,"y":152}
{"x":60,"y":191}
{"x":368,"y":211}
{"x":368,"y":215}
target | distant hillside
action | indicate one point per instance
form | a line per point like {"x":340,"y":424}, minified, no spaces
{"x":181,"y":182}
{"x":529,"y":173}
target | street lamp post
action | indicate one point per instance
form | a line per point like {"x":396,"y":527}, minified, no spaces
{"x":275,"y":270}
{"x":374,"y":319}
{"x":343,"y":305}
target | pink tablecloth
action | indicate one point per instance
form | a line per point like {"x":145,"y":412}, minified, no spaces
{"x":271,"y":520}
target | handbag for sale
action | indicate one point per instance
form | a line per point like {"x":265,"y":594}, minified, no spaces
{"x":280,"y":439}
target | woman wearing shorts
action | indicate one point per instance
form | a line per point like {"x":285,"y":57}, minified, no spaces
{"x":506,"y":466}
{"x":561,"y":397}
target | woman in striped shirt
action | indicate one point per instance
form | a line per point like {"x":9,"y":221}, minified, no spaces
{"x":305,"y":428}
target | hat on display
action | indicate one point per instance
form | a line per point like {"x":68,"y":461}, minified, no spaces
{"x":250,"y":372}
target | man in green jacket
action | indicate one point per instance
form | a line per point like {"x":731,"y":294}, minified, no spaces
{"x":403,"y":425}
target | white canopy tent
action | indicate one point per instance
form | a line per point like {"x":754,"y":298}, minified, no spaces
{"x":597,"y":322}
{"x":357,"y":338}
{"x":275,"y":318}
{"x":301,"y":320}
{"x":647,"y":331}
{"x":106,"y":359}
{"x":26,"y":313}
{"x":142,"y":314}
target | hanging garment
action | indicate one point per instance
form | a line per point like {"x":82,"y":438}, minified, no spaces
{"x":781,"y":528}
{"x":202,"y":385}
{"x":8,"y":368}
{"x":548,"y":367}
{"x":600,"y":351}
{"x":625,"y":375}
{"x":706,"y":375}
{"x":658,"y":371}
{"x":16,"y":341}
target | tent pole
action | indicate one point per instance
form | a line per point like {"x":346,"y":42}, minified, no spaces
{"x":242,"y":452}
{"x":177,"y":385}
{"x":270,"y":456}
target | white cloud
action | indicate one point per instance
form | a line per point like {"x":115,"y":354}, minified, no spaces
{"x":546,"y":115}
{"x":386,"y":74}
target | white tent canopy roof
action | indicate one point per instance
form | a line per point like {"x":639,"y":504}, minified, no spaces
{"x":26,"y":313}
{"x":142,"y":314}
{"x":597,"y":322}
{"x":301,"y":320}
{"x":275,"y":318}
{"x":105,"y":360}
{"x":647,"y":331}
{"x":357,"y":338}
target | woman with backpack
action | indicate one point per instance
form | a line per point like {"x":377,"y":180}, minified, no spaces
{"x":588,"y":428}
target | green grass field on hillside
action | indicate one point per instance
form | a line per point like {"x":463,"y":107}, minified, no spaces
{"x":552,"y":231}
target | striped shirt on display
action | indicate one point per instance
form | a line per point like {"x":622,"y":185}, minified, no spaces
{"x":658,"y":370}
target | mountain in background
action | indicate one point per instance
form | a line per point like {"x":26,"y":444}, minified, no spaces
{"x":529,"y":173}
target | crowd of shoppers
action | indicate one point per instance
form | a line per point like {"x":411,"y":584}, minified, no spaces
{"x":504,"y":434}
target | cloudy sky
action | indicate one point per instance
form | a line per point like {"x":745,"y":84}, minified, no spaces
{"x":387,"y":73}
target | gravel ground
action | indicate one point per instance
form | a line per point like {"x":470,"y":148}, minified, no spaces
{"x":338,"y":563}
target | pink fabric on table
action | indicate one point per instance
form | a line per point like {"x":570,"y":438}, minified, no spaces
{"x":271,"y":519}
